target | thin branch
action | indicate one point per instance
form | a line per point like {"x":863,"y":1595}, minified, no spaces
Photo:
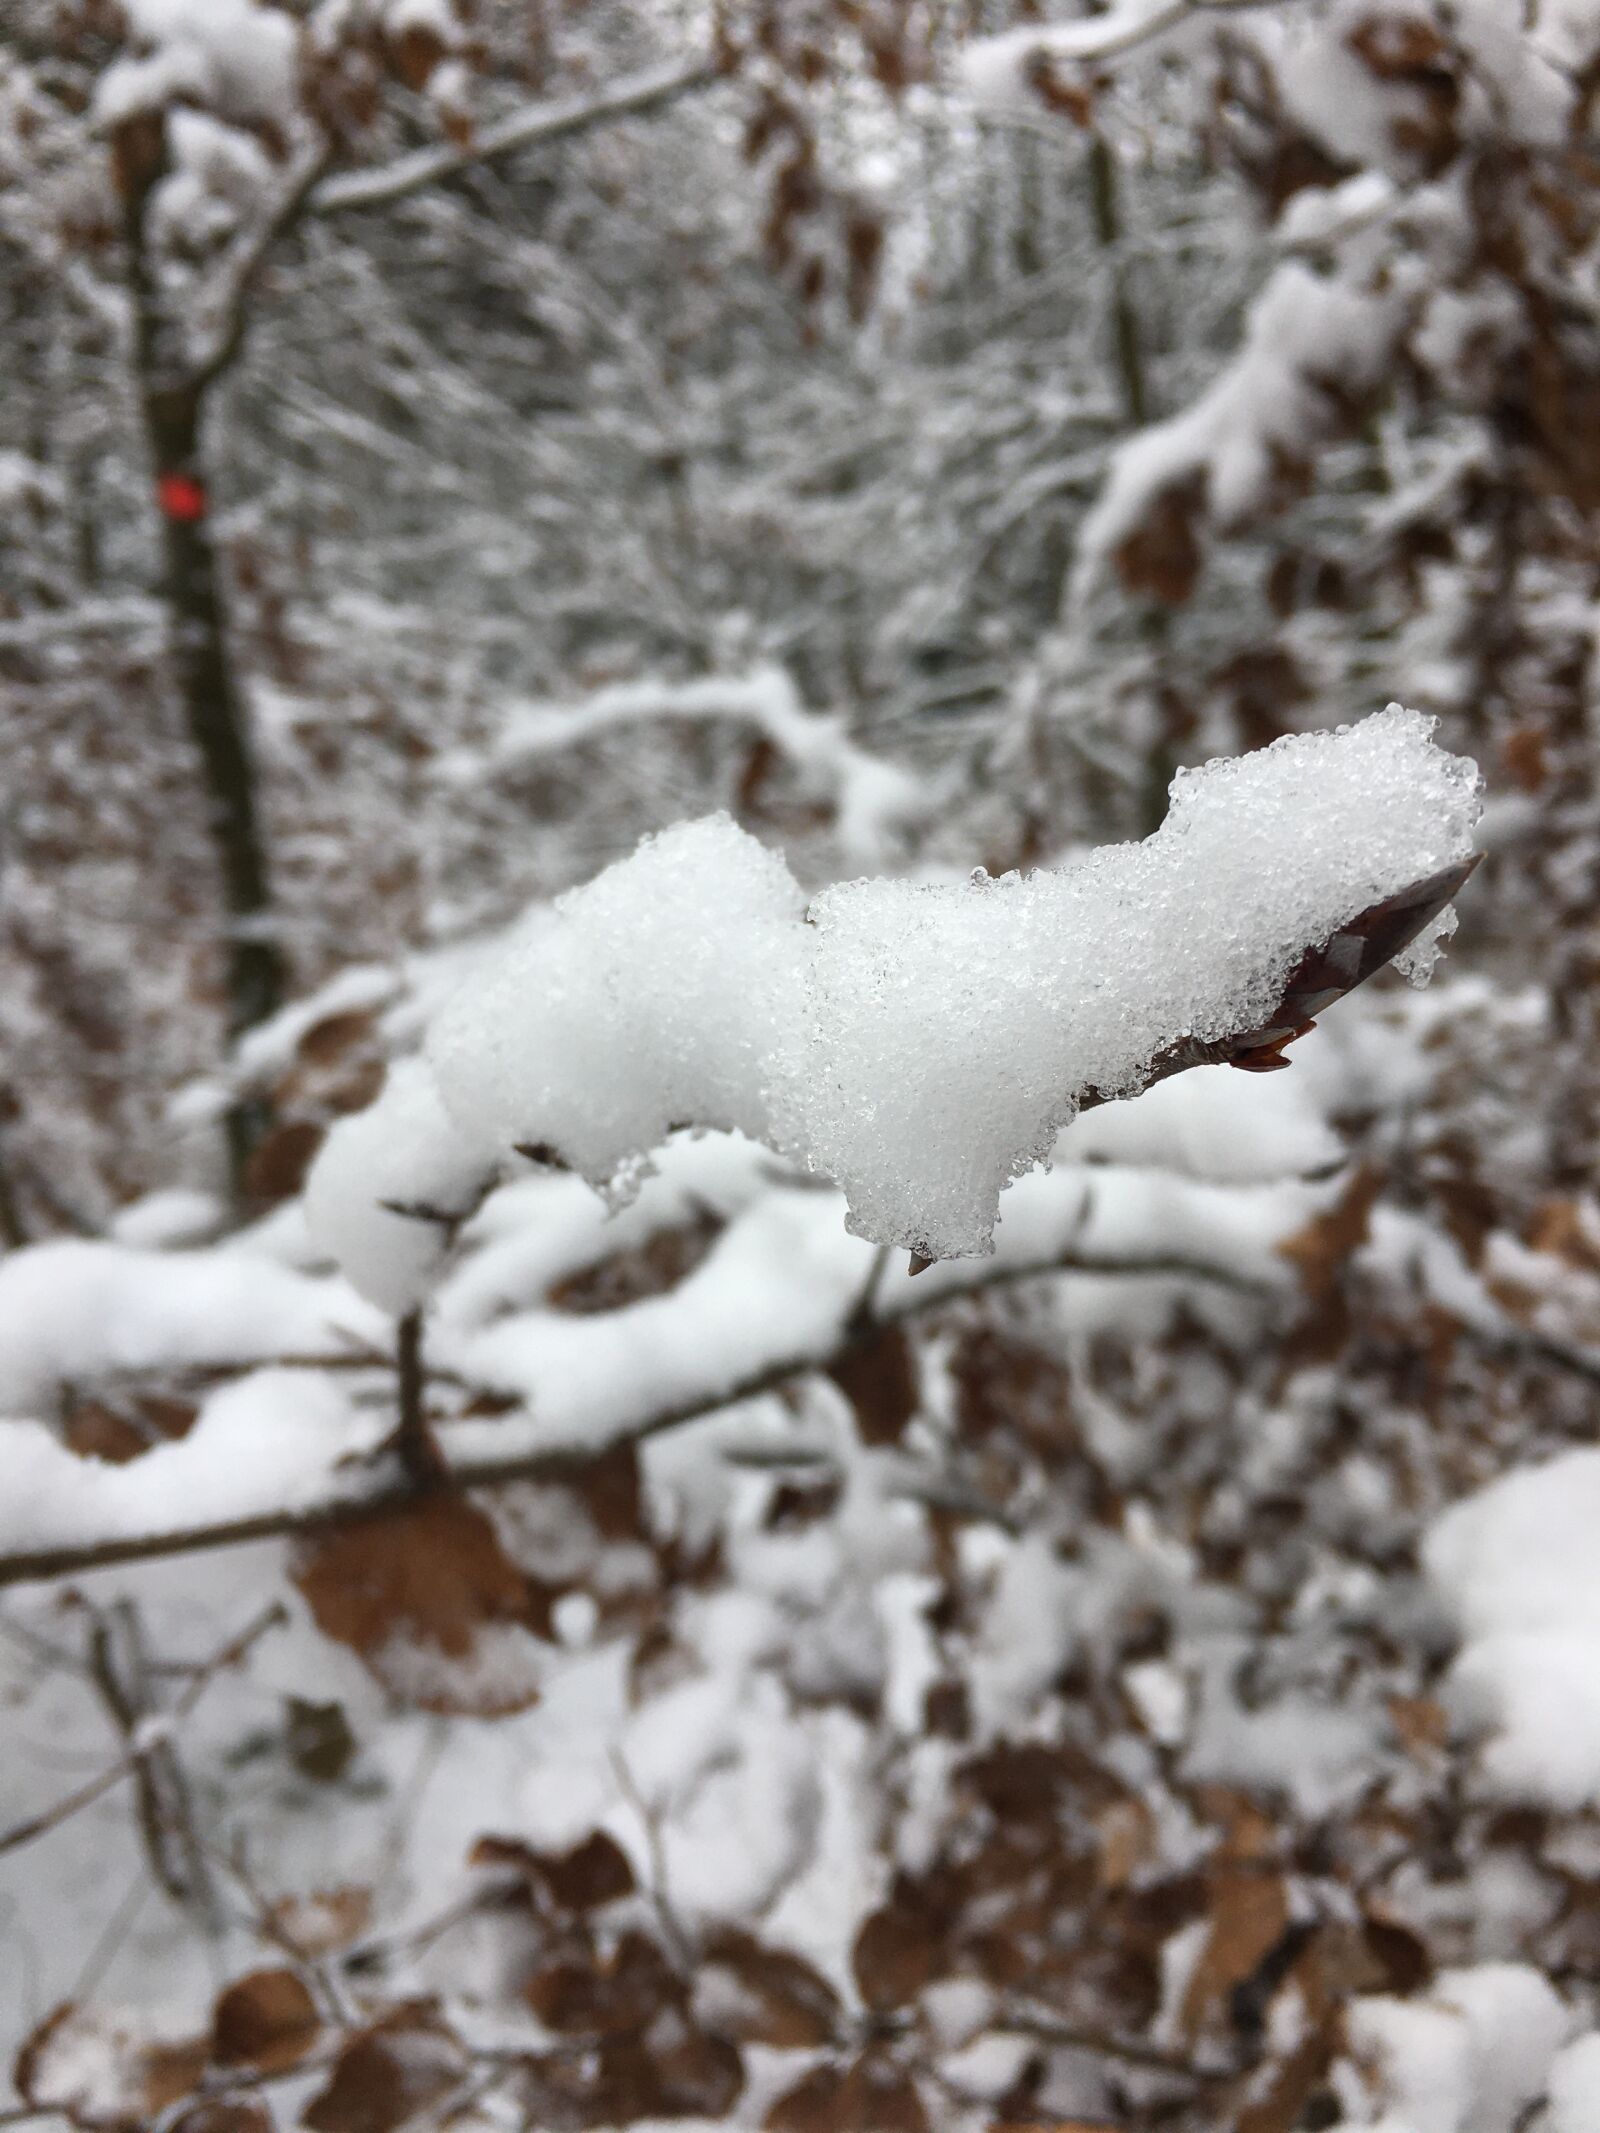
{"x":368,"y":1497}
{"x":556,"y":120}
{"x":228,"y":1655}
{"x":118,"y":1669}
{"x":252,"y":258}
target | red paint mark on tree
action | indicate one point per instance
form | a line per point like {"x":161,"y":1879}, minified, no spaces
{"x":182,"y":497}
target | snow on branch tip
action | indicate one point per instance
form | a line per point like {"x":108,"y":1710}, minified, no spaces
{"x":919,"y":1043}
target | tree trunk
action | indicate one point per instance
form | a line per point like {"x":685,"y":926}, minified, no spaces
{"x":173,"y":404}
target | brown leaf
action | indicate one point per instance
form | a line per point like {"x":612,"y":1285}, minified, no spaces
{"x":327,"y":1041}
{"x":104,"y":2071}
{"x":1161,"y":557}
{"x":1004,"y":1385}
{"x":1421,"y":1722}
{"x":1127,"y":1833}
{"x":1320,"y":1250}
{"x":1292,"y":2082}
{"x":1399,"y":1957}
{"x":95,"y":1431}
{"x":1562,"y":1227}
{"x":430,"y":1600}
{"x":318,"y":1739}
{"x":277,"y":1169}
{"x":879,"y":1379}
{"x":1248,"y":1913}
{"x":761,"y":1995}
{"x":875,"y":2095}
{"x":592,"y":1873}
{"x":605,"y":1996}
{"x":389,"y":2072}
{"x":674,"y":2071}
{"x":223,"y":2114}
{"x":267,"y":2020}
{"x":414,"y":54}
{"x":899,"y":1948}
{"x":640,"y":1271}
{"x":1525,"y":754}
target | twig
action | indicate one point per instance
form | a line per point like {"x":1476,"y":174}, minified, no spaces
{"x":413,"y":1443}
{"x":660,"y":1893}
{"x":366,"y":1497}
{"x":252,"y":258}
{"x":552,"y":121}
{"x":125,"y":1765}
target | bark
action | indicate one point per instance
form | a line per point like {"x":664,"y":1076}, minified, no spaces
{"x":173,"y":403}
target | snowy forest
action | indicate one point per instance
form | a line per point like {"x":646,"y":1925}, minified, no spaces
{"x":799,"y":1077}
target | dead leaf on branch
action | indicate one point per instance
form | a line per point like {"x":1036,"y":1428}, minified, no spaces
{"x":874,"y":2093}
{"x":223,"y":2114}
{"x":761,"y":1995}
{"x":267,"y":2021}
{"x":103,"y":2070}
{"x":325,"y":1920}
{"x":429,"y":1599}
{"x":879,"y":1378}
{"x":388,"y":2072}
{"x":1321,"y":1250}
{"x":1248,"y":1912}
{"x":605,"y":1996}
{"x":900,"y":1948}
{"x":590,"y":1875}
{"x":640,"y":1271}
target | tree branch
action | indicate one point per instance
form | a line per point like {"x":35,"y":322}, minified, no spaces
{"x":234,"y":309}
{"x":556,"y":120}
{"x":366,"y":1495}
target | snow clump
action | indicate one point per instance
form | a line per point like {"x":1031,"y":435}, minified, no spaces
{"x":920,"y":1044}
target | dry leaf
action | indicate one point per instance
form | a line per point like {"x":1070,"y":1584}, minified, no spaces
{"x":389,"y":2072}
{"x":592,"y":1873}
{"x":325,"y":1920}
{"x":430,"y":1600}
{"x":1248,"y":1914}
{"x":605,"y":1996}
{"x":1320,"y":1250}
{"x":761,"y":1995}
{"x":267,"y":2020}
{"x":104,"y":2070}
{"x":223,"y":2114}
{"x":879,"y":1379}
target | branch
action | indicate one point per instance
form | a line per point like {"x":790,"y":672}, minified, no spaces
{"x":370,"y":1495}
{"x":252,"y":257}
{"x":228,"y":1655}
{"x":552,"y":121}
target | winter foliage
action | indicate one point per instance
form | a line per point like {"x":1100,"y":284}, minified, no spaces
{"x":755,"y":1370}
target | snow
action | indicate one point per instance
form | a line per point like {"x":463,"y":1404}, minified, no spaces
{"x":1573,"y":2088}
{"x":390,"y":1183}
{"x":1265,"y":409}
{"x":872,"y":796}
{"x":1468,"y":2056}
{"x":263,"y":1444}
{"x":1517,"y":1566}
{"x":996,"y":70}
{"x":231,"y":56}
{"x":922,"y":1044}
{"x":771,"y":1295}
{"x":651,"y":998}
{"x":78,"y":1310}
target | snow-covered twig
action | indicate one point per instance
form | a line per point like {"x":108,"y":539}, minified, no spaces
{"x":348,"y":1496}
{"x":547,"y":121}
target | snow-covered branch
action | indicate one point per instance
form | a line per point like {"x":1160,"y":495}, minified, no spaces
{"x":552,"y":120}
